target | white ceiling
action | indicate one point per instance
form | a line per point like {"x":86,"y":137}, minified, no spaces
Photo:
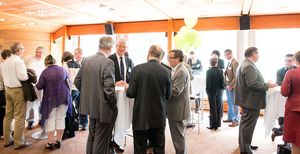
{"x":50,"y":15}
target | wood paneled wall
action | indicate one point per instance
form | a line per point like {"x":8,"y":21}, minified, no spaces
{"x":30,"y":40}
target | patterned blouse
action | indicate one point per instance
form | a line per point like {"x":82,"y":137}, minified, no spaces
{"x":55,"y":90}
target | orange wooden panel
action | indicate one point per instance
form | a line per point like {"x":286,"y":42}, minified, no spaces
{"x":141,"y":27}
{"x":59,"y":33}
{"x":275,"y":21}
{"x":218,"y":23}
{"x":86,"y":29}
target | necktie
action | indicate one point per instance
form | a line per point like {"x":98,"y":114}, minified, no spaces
{"x":121,"y":68}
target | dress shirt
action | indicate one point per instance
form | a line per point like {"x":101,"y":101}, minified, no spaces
{"x":230,"y":61}
{"x":37,"y":65}
{"x":174,"y":70}
{"x":13,"y":71}
{"x":124,"y":63}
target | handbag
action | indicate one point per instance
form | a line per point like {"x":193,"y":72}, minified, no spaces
{"x":283,"y":149}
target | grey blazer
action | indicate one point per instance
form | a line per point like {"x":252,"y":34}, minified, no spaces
{"x":178,"y":105}
{"x":250,"y":87}
{"x":96,"y":83}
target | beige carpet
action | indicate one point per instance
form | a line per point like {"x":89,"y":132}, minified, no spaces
{"x":222,"y":141}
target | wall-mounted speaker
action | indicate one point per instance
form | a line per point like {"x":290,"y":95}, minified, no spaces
{"x":174,"y":34}
{"x":244,"y":22}
{"x":109,"y":29}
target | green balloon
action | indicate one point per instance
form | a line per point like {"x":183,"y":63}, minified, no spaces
{"x":178,"y":41}
{"x":197,"y":41}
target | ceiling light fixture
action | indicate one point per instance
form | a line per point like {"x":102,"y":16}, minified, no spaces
{"x":30,"y":12}
{"x":2,"y":19}
{"x":102,"y":5}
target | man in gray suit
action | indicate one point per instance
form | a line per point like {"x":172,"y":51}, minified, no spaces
{"x":250,"y":96}
{"x":96,"y":83}
{"x":178,"y":108}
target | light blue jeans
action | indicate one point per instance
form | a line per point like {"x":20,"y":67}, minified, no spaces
{"x":233,"y":110}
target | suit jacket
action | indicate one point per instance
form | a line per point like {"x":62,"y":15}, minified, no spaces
{"x":230,"y":72}
{"x":221,"y":63}
{"x":95,"y":81}
{"x":291,"y":88}
{"x":129,"y":66}
{"x":250,"y":90}
{"x":27,"y":87}
{"x":178,"y":107}
{"x":150,"y":85}
{"x":214,"y":80}
{"x":281,"y":73}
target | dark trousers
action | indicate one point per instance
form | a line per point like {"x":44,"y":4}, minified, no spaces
{"x":83,"y":118}
{"x":246,"y":129}
{"x":156,"y":138}
{"x":215,"y":109}
{"x":100,"y":135}
{"x":2,"y":110}
{"x":2,"y":114}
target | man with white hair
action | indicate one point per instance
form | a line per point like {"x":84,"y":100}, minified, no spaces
{"x":123,"y":67}
{"x":35,"y":63}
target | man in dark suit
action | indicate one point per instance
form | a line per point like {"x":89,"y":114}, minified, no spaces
{"x":250,"y":96}
{"x":150,"y":86}
{"x":178,"y":108}
{"x":123,"y":67}
{"x":289,"y":64}
{"x":123,"y":64}
{"x":96,"y":83}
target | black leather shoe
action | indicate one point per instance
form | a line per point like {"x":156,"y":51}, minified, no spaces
{"x":57,"y":144}
{"x":190,"y":125}
{"x":252,"y":147}
{"x":117,"y":147}
{"x":9,"y":144}
{"x":211,"y":128}
{"x":24,"y":145}
{"x":50,"y":146}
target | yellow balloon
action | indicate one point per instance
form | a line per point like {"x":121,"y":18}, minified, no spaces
{"x":179,"y":41}
{"x":197,"y":41}
{"x":183,"y":29}
{"x":190,"y":36}
{"x":190,"y":21}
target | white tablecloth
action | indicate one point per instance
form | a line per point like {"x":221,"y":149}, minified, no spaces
{"x":198,"y":84}
{"x":124,"y":118}
{"x":275,"y":106}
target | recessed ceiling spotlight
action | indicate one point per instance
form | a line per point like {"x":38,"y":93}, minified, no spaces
{"x":29,"y":24}
{"x":42,"y":15}
{"x":102,"y":5}
{"x":111,"y":9}
{"x":30,"y":12}
{"x":42,"y":11}
{"x":32,"y":23}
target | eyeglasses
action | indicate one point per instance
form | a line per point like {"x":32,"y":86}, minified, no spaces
{"x":171,"y":57}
